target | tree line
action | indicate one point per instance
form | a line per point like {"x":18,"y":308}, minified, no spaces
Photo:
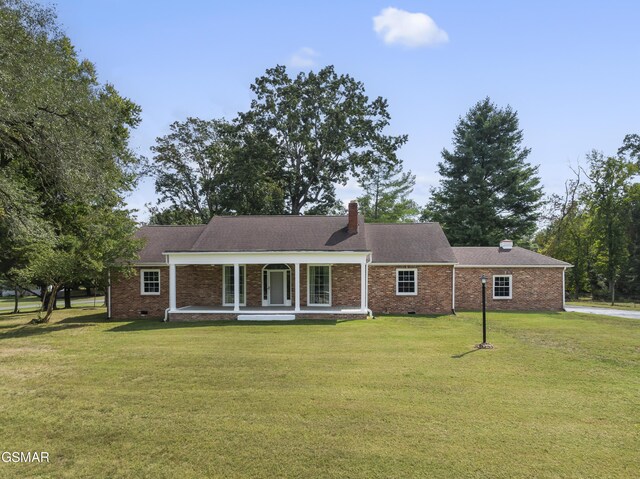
{"x":595,"y":225}
{"x":65,"y":160}
{"x":66,"y":167}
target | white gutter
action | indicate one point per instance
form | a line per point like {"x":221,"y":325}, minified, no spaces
{"x":514,"y":266}
{"x":404,"y":263}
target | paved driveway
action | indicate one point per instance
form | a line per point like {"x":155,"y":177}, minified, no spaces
{"x":623,"y":313}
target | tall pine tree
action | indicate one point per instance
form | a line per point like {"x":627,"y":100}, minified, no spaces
{"x":386,"y":195}
{"x":488,"y":191}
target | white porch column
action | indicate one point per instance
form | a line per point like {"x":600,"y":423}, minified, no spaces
{"x":172,"y":286}
{"x":297,"y":287}
{"x":363,"y":285}
{"x":236,"y":287}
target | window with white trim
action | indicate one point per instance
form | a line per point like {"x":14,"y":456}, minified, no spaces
{"x":407,"y":282}
{"x":502,"y":286}
{"x":319,"y":285}
{"x":149,"y":281}
{"x":228,"y":285}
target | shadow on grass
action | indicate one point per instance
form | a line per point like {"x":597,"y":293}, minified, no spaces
{"x":150,"y":324}
{"x":25,"y":328}
{"x":461,"y":355}
{"x":29,"y":330}
{"x":22,"y":311}
{"x":85,"y":318}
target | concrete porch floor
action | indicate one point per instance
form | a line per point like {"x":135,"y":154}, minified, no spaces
{"x":270,"y":310}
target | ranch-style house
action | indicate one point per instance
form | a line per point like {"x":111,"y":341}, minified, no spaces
{"x":325,"y":267}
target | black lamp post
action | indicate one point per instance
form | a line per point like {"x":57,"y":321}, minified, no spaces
{"x":484,"y":344}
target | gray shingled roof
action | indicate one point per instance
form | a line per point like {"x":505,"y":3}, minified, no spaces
{"x":494,"y":256}
{"x":408,"y":243}
{"x":388,"y":243}
{"x":404,"y":243}
{"x":279,"y":233}
{"x":163,"y":238}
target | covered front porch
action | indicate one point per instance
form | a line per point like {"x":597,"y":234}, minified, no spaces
{"x":256,"y":286}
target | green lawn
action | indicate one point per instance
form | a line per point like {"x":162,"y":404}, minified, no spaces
{"x":390,"y":397}
{"x":603,"y":304}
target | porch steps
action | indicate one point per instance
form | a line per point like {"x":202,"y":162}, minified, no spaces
{"x":266,"y":317}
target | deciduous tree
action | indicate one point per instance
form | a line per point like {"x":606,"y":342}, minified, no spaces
{"x":64,"y":154}
{"x":608,"y":199}
{"x":320,"y":128}
{"x":204,"y":168}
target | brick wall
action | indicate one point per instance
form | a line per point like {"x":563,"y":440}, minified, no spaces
{"x":345,"y":285}
{"x":254,"y":285}
{"x":201,"y":285}
{"x":434,"y":290}
{"x":198,"y":285}
{"x":128,"y":303}
{"x":532,"y":289}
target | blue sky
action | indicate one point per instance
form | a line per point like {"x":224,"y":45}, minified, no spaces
{"x":570,"y":69}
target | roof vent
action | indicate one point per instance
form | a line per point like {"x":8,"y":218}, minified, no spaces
{"x":506,"y":245}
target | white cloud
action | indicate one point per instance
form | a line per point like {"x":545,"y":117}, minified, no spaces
{"x":400,"y":27}
{"x":303,"y":58}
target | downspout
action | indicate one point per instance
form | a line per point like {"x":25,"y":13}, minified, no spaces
{"x":166,"y":311}
{"x":453,"y":289}
{"x":108,"y":294}
{"x":564,"y":292}
{"x":366,"y":289}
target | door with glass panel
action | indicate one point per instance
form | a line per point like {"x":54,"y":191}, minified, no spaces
{"x":276,"y":285}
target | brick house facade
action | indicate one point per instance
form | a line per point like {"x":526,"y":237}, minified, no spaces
{"x":433,"y":293}
{"x":534,"y":289}
{"x":334,"y":267}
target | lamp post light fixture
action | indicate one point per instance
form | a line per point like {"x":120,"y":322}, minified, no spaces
{"x":484,"y":344}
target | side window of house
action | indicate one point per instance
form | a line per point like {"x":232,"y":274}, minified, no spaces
{"x":150,"y":281}
{"x":406,"y":282}
{"x":502,"y":286}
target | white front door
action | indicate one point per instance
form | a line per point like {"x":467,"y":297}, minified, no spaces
{"x":277,"y":288}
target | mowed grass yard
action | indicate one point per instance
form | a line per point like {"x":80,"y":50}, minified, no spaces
{"x":390,"y":397}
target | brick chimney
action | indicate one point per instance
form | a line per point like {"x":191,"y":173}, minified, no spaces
{"x":352,"y":227}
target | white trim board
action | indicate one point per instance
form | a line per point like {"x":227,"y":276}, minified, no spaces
{"x":289,"y":257}
{"x":412,"y":264}
{"x":507,"y":266}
